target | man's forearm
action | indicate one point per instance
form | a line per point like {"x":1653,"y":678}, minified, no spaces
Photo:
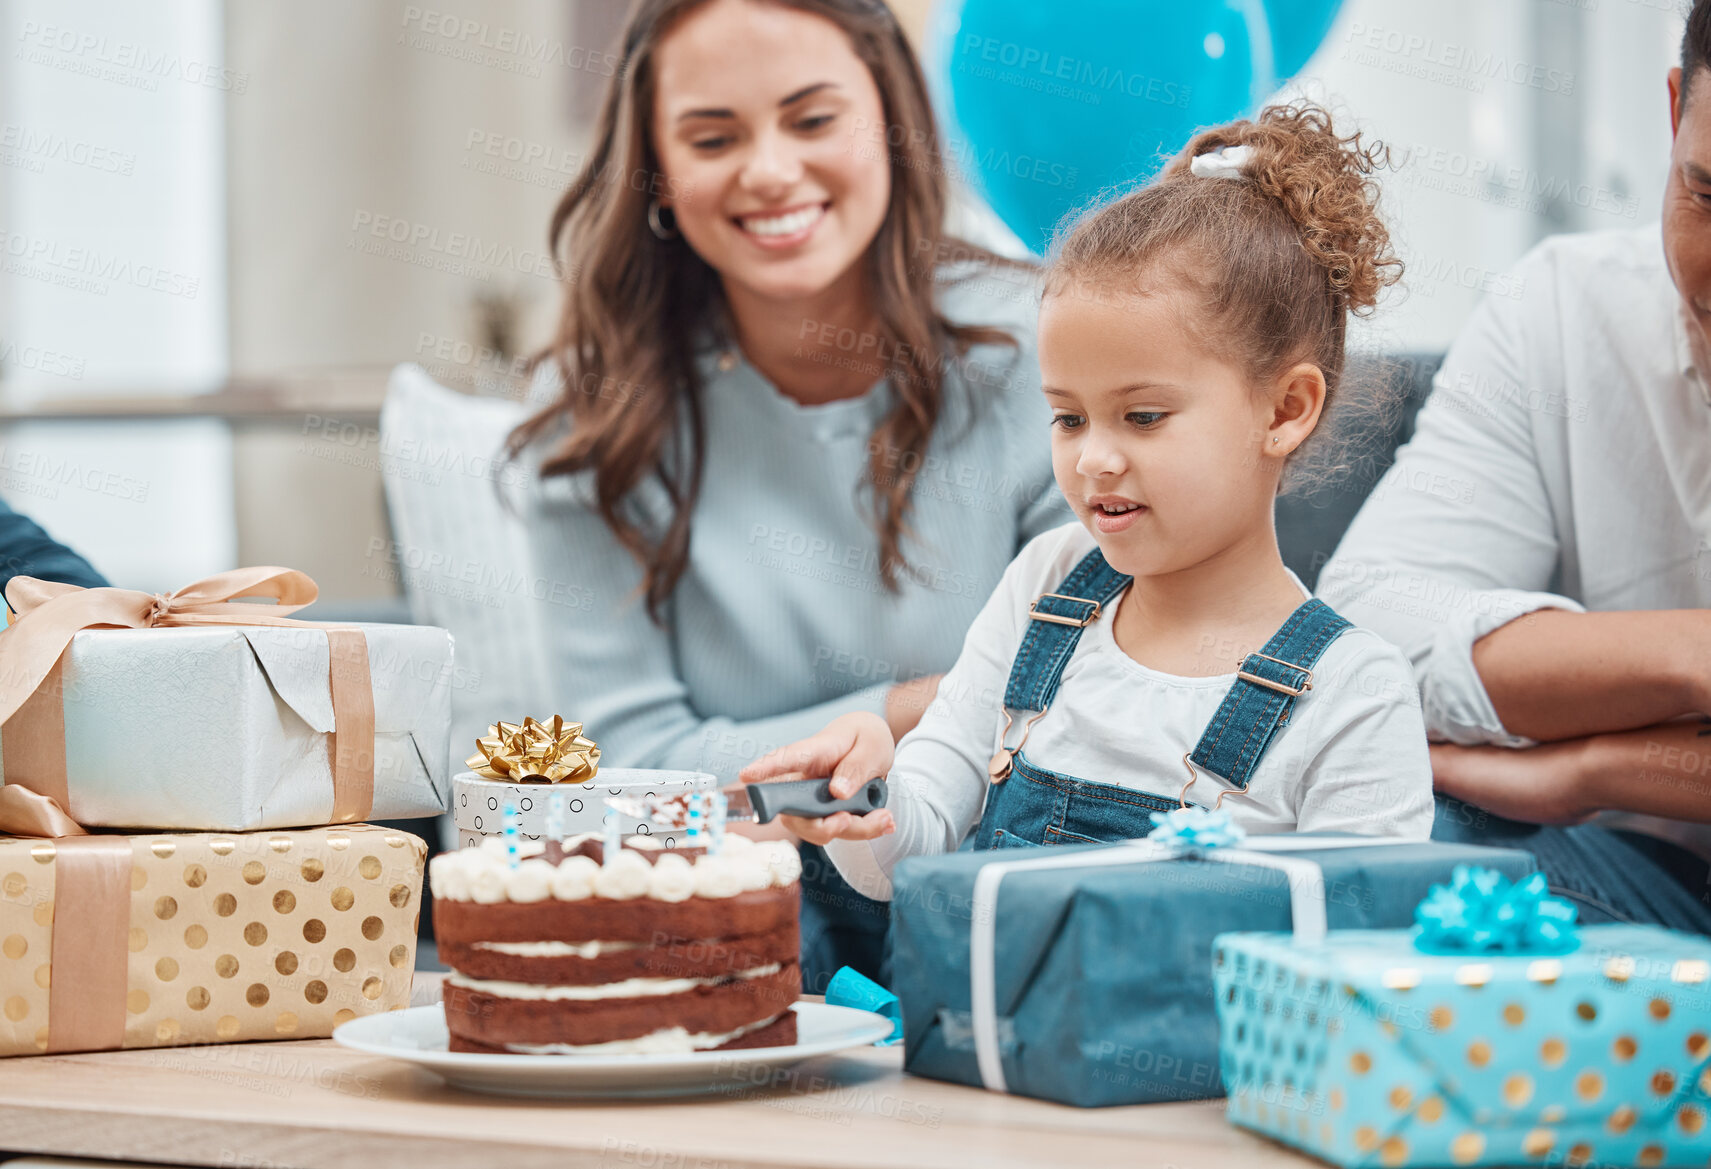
{"x":1661,"y":770}
{"x":1555,"y":675}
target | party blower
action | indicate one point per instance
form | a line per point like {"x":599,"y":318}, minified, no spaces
{"x":760,"y":802}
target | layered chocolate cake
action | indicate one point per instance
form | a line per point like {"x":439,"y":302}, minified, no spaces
{"x":656,"y":952}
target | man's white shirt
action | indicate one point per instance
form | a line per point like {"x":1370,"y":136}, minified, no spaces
{"x":1562,"y":461}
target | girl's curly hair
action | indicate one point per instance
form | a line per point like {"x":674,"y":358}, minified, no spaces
{"x":1277,"y":260}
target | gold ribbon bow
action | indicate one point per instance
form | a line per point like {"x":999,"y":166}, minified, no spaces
{"x":551,"y":752}
{"x":32,"y":750}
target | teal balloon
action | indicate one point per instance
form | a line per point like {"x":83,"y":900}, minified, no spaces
{"x":1298,"y":28}
{"x":1051,"y":107}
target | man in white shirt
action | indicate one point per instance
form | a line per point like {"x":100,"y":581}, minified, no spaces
{"x":1542,"y":552}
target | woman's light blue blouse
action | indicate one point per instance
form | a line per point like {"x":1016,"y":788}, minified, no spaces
{"x":780,"y":622}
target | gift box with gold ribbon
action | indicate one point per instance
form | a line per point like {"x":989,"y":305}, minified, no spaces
{"x":116,"y":941}
{"x":204,"y":710}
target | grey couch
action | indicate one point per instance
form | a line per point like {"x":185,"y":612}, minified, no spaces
{"x":1310,"y":523}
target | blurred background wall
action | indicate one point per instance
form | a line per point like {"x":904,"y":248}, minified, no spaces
{"x":222,"y":223}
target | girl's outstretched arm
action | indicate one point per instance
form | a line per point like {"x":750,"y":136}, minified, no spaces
{"x":939,"y":775}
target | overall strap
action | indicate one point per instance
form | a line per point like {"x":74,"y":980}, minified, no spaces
{"x":1266,"y":687}
{"x":1055,"y":625}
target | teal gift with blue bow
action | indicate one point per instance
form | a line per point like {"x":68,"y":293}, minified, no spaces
{"x":1496,"y":1032}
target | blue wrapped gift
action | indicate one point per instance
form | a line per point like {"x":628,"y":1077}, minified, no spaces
{"x":1084,"y":975}
{"x":1402,"y":1047}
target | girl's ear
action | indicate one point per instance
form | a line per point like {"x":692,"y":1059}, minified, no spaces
{"x":1297,"y":402}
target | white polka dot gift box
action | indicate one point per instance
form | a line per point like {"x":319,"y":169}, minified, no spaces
{"x":478,"y":804}
{"x":1495,"y":1033}
{"x":549,"y":770}
{"x":111,"y":941}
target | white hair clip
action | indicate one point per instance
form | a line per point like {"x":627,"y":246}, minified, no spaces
{"x":1226,"y":162}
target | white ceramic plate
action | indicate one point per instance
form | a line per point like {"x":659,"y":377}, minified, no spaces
{"x":419,"y":1036}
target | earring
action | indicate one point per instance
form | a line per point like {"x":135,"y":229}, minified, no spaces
{"x":1274,"y":440}
{"x":656,"y":211}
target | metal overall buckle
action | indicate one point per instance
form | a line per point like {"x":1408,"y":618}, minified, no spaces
{"x":1058,"y":619}
{"x":1182,"y":796}
{"x":1270,"y":684}
{"x":1005,"y":758}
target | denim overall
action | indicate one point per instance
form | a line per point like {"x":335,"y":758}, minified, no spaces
{"x":1028,"y":805}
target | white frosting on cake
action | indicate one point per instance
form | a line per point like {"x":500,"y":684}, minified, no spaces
{"x":574,"y":878}
{"x":485,"y":875}
{"x":668,"y":1041}
{"x":531,"y":882}
{"x":487,"y":885}
{"x":623,"y":878}
{"x":783,"y":865}
{"x":717,"y":876}
{"x":558,"y":949}
{"x":628,"y":988}
{"x":673,"y":878}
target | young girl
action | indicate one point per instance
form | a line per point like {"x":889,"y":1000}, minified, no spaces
{"x":1158,"y":652}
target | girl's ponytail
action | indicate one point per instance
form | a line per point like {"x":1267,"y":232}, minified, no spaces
{"x":1323,"y":181}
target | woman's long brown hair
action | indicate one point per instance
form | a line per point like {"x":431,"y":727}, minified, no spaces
{"x":636,"y":306}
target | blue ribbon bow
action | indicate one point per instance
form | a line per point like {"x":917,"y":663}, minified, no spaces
{"x":1195,"y":829}
{"x":1482,"y":911}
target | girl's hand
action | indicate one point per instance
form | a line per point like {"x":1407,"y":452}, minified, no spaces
{"x":842,"y":826}
{"x":852,"y":750}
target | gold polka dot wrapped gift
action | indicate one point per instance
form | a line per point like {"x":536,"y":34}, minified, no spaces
{"x":554,"y":751}
{"x":1364,"y":1050}
{"x":151,"y":940}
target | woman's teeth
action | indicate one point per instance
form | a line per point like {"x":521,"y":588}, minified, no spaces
{"x":1114,"y":508}
{"x":777,"y":225}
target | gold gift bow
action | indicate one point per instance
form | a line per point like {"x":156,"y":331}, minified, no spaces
{"x":32,"y":750}
{"x":92,"y":909}
{"x":556,"y":751}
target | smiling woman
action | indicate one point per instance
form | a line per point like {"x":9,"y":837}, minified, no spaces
{"x":747,"y":186}
{"x":792,"y":449}
{"x":764,"y":181}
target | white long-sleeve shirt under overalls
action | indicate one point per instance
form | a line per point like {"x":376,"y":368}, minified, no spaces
{"x":1347,"y":755}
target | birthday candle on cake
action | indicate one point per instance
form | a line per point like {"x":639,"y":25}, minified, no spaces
{"x":716,"y":840}
{"x":510,"y":817}
{"x":555,"y":816}
{"x":612,"y":841}
{"x":692,"y":821}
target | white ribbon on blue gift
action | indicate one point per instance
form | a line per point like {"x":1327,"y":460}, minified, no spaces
{"x":1306,"y":903}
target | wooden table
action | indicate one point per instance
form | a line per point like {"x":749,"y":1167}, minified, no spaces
{"x":314,"y":1103}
